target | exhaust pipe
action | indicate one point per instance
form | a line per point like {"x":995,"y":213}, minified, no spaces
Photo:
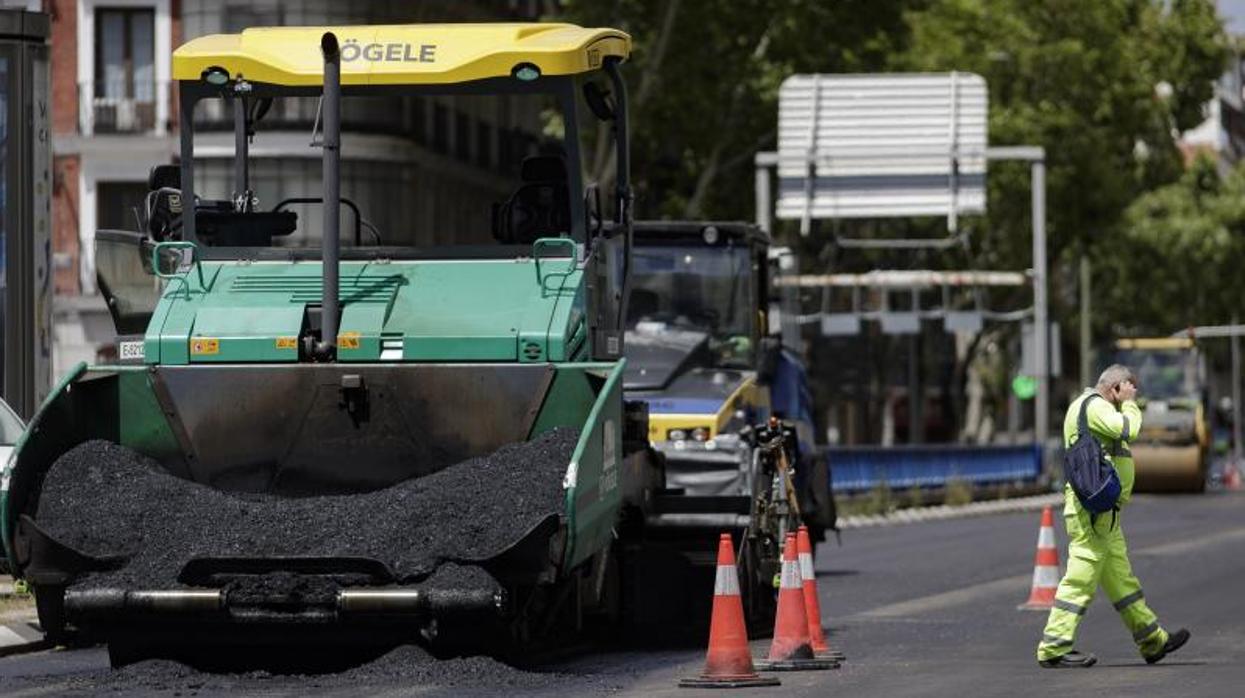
{"x":330,"y":246}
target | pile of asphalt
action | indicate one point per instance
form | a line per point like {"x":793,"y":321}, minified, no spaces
{"x":106,"y":500}
{"x":400,"y":670}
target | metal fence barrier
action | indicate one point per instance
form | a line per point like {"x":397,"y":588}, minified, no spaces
{"x":861,"y":468}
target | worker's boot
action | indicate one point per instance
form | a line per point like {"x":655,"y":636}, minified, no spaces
{"x":1071,"y":660}
{"x":1174,"y":642}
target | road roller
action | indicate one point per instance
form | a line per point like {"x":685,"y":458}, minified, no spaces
{"x":1171,"y":449}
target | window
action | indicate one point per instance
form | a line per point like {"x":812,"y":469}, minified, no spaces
{"x":124,"y":54}
{"x":115,"y":203}
{"x":125,"y":80}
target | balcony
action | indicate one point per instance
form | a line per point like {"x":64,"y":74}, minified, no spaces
{"x":145,"y":112}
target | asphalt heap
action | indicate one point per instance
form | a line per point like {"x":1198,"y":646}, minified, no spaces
{"x":104,"y":500}
{"x":406,"y":668}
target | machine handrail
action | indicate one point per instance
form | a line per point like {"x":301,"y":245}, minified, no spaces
{"x":553,"y":242}
{"x":194,"y":261}
{"x":358,"y":218}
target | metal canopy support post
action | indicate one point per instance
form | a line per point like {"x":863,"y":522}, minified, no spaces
{"x":187,"y":97}
{"x":241,"y":156}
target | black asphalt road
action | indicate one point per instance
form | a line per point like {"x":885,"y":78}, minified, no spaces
{"x":920,"y":610}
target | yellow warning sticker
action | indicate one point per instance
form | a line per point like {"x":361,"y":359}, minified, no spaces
{"x":348,"y":340}
{"x":287,"y":342}
{"x":204,"y":345}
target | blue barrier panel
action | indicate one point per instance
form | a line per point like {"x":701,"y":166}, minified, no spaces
{"x":857,"y":468}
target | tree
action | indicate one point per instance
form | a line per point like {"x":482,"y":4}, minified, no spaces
{"x":1176,"y":260}
{"x":1105,"y":86}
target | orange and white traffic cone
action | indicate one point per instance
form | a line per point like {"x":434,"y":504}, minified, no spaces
{"x":728,"y":663}
{"x":812,"y":605}
{"x":792,"y":650}
{"x":1045,"y":567}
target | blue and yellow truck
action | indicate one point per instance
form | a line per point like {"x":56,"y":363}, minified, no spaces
{"x":700,"y":356}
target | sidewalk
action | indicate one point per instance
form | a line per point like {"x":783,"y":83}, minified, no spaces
{"x":19,"y":624}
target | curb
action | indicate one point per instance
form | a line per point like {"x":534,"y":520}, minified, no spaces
{"x":21,"y":636}
{"x":943,"y":512}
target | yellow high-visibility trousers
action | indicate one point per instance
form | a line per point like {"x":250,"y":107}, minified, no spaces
{"x":1098,"y":555}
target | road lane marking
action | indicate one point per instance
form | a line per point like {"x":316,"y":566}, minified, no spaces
{"x":969,"y":594}
{"x":947,"y":599}
{"x":1189,"y":545}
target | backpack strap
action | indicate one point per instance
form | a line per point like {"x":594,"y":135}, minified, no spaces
{"x":1082,"y":429}
{"x":1082,"y":420}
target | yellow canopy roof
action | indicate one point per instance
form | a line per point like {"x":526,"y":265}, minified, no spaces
{"x":410,"y":54}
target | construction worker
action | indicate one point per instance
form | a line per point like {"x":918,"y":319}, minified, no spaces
{"x":1097,"y":553}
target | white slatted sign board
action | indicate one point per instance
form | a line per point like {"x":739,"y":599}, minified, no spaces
{"x":883,"y":145}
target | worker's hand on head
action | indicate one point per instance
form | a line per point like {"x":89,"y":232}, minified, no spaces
{"x":1125,"y":391}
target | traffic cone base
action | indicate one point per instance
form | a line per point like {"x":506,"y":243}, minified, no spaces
{"x":1045,"y":567}
{"x":728,"y":661}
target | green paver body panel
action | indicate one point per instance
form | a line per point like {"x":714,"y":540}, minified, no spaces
{"x":427,"y":311}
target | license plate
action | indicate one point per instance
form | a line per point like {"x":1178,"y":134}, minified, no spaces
{"x":130,"y":351}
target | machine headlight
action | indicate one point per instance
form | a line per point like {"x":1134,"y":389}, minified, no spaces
{"x":216,"y":76}
{"x":526,"y":72}
{"x":676,"y":435}
{"x":700,"y":434}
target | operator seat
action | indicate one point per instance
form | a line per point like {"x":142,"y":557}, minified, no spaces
{"x":164,"y":202}
{"x":218,"y":224}
{"x":540,"y":207}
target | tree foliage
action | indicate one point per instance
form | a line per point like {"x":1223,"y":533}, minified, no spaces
{"x":1177,"y":260}
{"x":1104,"y":86}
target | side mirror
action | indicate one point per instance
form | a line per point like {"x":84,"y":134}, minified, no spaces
{"x":598,"y":99}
